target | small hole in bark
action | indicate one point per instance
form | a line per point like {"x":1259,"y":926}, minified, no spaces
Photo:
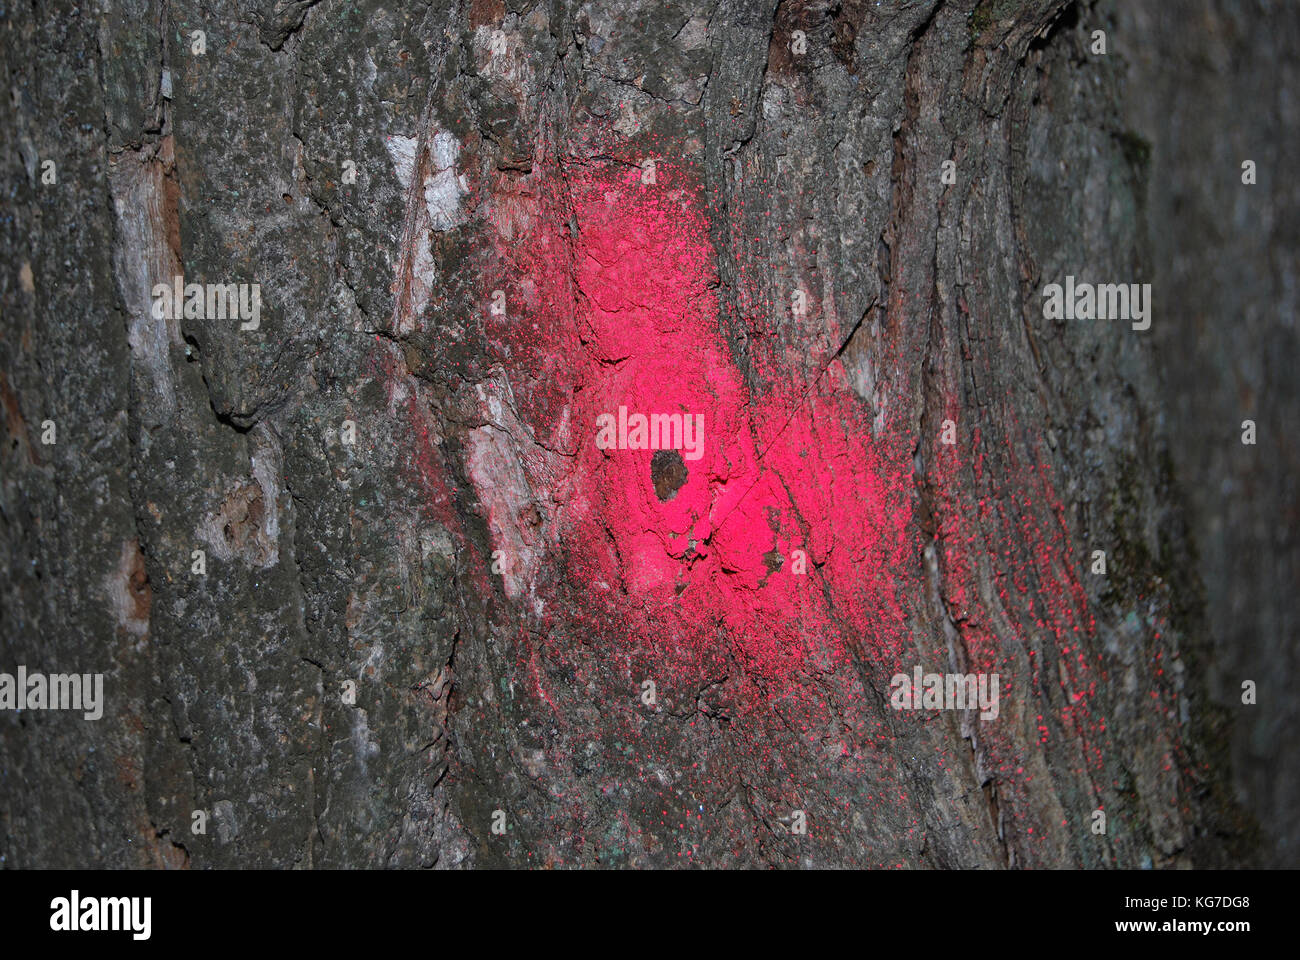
{"x":668,"y":473}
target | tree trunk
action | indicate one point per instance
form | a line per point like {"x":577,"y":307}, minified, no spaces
{"x":382,"y":573}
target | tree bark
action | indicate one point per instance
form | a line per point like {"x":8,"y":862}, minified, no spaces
{"x":367,"y":590}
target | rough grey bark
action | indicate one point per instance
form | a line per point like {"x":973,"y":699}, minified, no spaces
{"x":1210,"y":87}
{"x":327,"y":563}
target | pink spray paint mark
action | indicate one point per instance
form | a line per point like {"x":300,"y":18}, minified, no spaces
{"x":624,"y":314}
{"x":610,"y":285}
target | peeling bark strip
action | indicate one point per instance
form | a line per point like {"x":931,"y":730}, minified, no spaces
{"x":675,"y":434}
